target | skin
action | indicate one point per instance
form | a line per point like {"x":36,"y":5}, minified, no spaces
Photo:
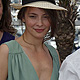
{"x":37,"y":24}
{"x":1,"y":9}
{"x":1,"y":12}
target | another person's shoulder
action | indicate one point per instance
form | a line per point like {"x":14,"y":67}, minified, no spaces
{"x":74,"y":57}
{"x":70,"y":68}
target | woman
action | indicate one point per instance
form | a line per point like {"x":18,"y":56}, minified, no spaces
{"x":5,"y":22}
{"x":28,"y":58}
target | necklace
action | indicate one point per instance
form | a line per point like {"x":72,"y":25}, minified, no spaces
{"x":26,"y":41}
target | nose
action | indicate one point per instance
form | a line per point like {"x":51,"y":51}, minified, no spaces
{"x":39,"y":22}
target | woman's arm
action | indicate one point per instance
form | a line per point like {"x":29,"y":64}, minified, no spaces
{"x":3,"y":61}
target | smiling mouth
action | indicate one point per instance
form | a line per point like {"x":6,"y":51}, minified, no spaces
{"x":39,"y":30}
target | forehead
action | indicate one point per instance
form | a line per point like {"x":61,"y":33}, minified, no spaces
{"x":35,"y":10}
{"x":0,"y":1}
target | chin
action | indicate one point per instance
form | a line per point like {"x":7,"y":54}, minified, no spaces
{"x":39,"y":37}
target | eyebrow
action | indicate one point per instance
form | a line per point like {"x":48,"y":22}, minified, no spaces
{"x":32,"y":13}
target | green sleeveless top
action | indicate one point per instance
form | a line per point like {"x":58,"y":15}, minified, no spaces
{"x":20,"y":67}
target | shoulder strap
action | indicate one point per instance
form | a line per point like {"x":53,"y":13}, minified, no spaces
{"x":54,"y":54}
{"x":13,"y":46}
{"x":51,"y":49}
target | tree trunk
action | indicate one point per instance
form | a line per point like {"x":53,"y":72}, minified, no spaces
{"x":65,"y":32}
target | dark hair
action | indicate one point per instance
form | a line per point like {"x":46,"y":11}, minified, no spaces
{"x":5,"y":22}
{"x":51,"y":13}
{"x":53,"y":17}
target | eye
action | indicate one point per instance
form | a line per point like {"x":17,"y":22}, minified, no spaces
{"x":46,"y":16}
{"x":32,"y":16}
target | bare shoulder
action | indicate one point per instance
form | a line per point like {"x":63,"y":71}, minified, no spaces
{"x":3,"y":61}
{"x":4,"y":49}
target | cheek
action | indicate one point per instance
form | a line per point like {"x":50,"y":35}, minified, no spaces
{"x":30,"y":23}
{"x":1,"y":11}
{"x":0,"y":14}
{"x":47,"y":23}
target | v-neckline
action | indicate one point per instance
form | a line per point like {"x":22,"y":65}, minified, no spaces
{"x":31,"y":63}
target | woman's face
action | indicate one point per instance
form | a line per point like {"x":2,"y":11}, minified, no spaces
{"x":37,"y":22}
{"x":1,"y":9}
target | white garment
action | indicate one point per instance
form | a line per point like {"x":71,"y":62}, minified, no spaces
{"x":70,"y":68}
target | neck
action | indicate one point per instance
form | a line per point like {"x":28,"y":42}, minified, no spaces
{"x":32,"y":42}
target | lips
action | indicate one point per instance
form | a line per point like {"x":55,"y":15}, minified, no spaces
{"x":39,"y":30}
